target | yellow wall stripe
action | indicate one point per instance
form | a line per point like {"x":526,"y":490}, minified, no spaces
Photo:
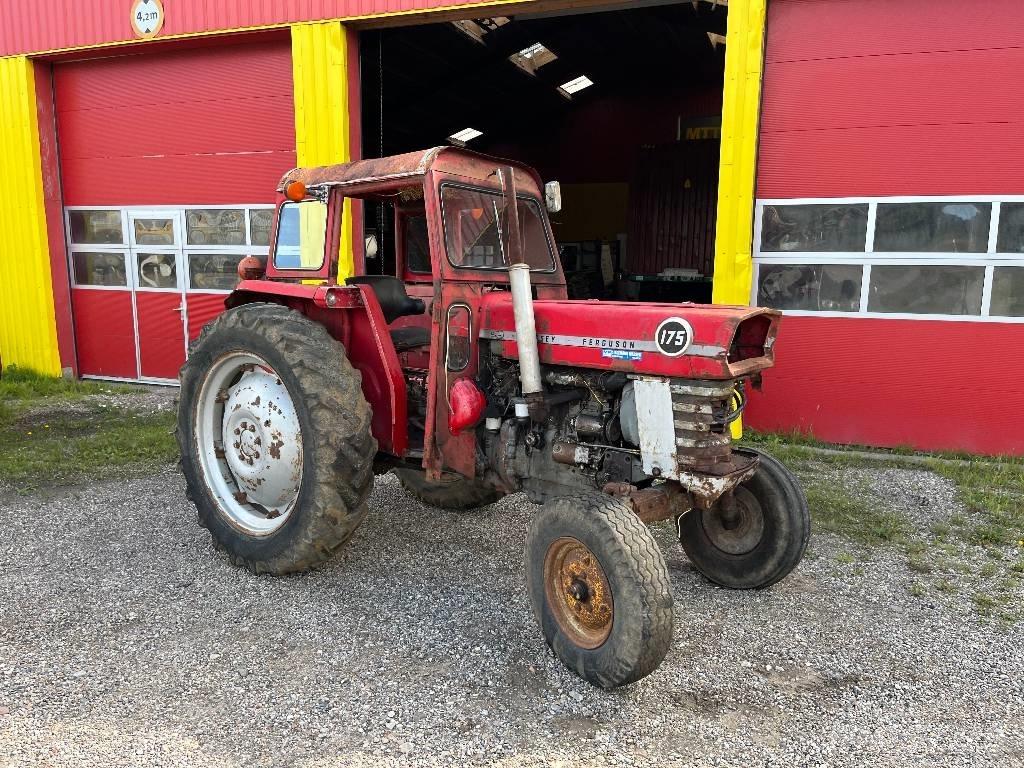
{"x":741,"y":107}
{"x":28,"y":331}
{"x":320,"y":75}
{"x":741,"y":116}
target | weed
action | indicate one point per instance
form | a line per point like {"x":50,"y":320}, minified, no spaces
{"x":845,"y":558}
{"x":917,"y":589}
{"x":920,"y":564}
{"x":985,"y":603}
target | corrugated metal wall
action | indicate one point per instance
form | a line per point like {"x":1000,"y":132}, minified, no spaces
{"x":28,"y":334}
{"x":29,"y":26}
{"x":916,"y":97}
{"x":672,"y":200}
{"x":217,"y":128}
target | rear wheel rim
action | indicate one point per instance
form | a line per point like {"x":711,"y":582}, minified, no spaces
{"x":249,"y":443}
{"x":578,"y":593}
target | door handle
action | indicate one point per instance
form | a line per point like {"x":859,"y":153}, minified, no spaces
{"x":179,"y":309}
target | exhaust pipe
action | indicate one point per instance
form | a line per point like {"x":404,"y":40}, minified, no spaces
{"x":526,"y":340}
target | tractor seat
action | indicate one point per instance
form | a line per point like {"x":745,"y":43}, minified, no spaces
{"x":410,"y":337}
{"x":394,"y":301}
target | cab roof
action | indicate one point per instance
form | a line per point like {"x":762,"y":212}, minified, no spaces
{"x":410,"y":166}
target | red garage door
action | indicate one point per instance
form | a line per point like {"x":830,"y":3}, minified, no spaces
{"x":169,"y":163}
{"x":890,"y":222}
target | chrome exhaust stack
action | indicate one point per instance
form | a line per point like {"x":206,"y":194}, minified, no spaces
{"x":526,"y":340}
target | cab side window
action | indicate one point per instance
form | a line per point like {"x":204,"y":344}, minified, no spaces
{"x":417,"y":244}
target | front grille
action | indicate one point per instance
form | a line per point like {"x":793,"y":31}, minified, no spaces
{"x":701,"y":414}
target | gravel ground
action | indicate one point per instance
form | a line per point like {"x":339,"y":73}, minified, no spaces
{"x":126,"y":640}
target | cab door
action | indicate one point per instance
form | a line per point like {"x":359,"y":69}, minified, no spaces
{"x":454,"y":349}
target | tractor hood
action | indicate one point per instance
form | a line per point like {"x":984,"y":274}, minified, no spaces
{"x":693,"y":341}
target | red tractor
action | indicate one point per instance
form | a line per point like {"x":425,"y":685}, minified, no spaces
{"x":470,"y":375}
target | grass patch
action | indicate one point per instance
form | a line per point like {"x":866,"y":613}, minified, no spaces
{"x":50,"y":436}
{"x":849,"y":514}
{"x":977,"y":548}
{"x":985,"y":603}
{"x":920,"y":564}
{"x":22,"y":385}
{"x":994,"y":493}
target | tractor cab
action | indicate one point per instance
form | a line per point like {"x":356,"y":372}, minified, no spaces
{"x":452,"y":245}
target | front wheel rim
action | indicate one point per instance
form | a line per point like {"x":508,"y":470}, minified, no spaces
{"x":249,"y":443}
{"x":746,"y":532}
{"x":578,"y":593}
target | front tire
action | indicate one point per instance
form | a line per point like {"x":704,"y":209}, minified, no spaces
{"x":275,"y":438}
{"x":599,"y":589}
{"x":763,"y":542}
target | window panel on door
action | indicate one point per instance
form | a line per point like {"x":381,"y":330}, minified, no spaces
{"x":814,"y":228}
{"x":100,"y":269}
{"x":1008,"y":291}
{"x":926,"y":289}
{"x":810,"y":287}
{"x":156,"y":270}
{"x":96,"y":227}
{"x":1011,"y":228}
{"x":154,"y":231}
{"x":213,"y":271}
{"x":946,"y":227}
{"x":260,"y":220}
{"x":215,"y":226}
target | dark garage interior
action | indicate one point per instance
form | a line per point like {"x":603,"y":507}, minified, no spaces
{"x":622,"y":106}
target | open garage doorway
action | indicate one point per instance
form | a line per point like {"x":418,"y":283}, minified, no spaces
{"x":622,"y":105}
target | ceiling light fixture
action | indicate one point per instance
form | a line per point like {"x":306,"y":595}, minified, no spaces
{"x":465,"y":135}
{"x":576,"y":85}
{"x":532,"y":58}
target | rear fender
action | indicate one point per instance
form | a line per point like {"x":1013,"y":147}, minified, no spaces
{"x":353,"y":316}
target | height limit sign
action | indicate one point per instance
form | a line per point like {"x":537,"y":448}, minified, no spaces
{"x":147,"y":17}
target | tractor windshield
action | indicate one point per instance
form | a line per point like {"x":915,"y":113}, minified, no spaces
{"x":301,"y":235}
{"x":473,"y":237}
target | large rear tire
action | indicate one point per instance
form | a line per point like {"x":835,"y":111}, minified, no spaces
{"x":450,"y":492}
{"x":763,"y":541}
{"x":275,"y":438}
{"x":599,"y":589}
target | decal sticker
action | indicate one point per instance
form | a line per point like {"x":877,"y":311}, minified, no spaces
{"x":674,"y":336}
{"x":635,"y":345}
{"x":622,"y":354}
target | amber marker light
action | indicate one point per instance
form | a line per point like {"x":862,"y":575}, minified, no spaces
{"x":295,"y":191}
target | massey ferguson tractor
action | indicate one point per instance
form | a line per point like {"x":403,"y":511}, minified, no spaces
{"x":470,"y":375}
